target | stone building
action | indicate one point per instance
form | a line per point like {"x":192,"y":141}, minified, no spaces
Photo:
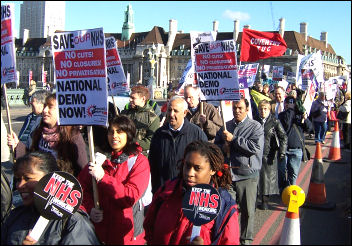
{"x":159,"y":57}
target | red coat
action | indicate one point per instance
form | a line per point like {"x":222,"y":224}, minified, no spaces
{"x":168,"y":225}
{"x":118,"y":191}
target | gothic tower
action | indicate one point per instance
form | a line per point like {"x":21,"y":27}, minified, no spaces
{"x":128,"y":25}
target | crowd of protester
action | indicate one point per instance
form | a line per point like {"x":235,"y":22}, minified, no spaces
{"x":149,"y":156}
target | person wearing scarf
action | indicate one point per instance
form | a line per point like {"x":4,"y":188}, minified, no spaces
{"x":65,"y":143}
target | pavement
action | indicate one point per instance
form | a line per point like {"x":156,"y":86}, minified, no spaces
{"x":317,"y":227}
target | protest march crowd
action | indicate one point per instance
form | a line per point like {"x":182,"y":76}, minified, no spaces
{"x":257,"y":156}
{"x":135,"y":165}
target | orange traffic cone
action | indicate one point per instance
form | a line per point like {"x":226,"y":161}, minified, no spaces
{"x":316,"y":197}
{"x":335,"y":152}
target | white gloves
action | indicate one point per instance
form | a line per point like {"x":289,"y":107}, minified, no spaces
{"x":95,"y":169}
{"x":99,"y":158}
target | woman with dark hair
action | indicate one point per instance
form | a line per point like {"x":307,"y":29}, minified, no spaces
{"x":77,"y":229}
{"x":122,"y":179}
{"x":65,"y":143}
{"x":165,"y":223}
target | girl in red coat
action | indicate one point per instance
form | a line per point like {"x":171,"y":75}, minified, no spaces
{"x":120,"y":217}
{"x":165,"y":222}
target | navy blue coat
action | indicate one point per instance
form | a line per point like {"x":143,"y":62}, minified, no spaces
{"x":166,"y":151}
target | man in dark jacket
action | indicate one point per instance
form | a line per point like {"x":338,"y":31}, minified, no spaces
{"x":294,"y":125}
{"x":244,"y":142}
{"x":169,"y":141}
{"x":209,"y":120}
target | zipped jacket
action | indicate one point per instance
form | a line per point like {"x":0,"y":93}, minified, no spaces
{"x":119,"y":193}
{"x":165,"y":223}
{"x":246,"y":147}
{"x":76,"y":230}
{"x":167,"y":149}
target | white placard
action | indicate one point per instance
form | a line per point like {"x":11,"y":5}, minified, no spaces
{"x":8,"y":55}
{"x":80,"y":73}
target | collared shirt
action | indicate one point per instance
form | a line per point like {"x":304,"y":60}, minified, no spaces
{"x":193,"y":110}
{"x":277,"y":109}
{"x":264,"y":120}
{"x":178,"y":129}
{"x":236,"y":124}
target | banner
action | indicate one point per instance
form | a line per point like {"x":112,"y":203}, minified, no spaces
{"x":80,"y":74}
{"x":314,"y":62}
{"x":216,"y":69}
{"x":8,"y":55}
{"x":247,"y":74}
{"x":278,"y":73}
{"x":117,"y":82}
{"x":260,"y":45}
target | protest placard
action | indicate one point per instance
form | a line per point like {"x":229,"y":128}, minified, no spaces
{"x":278,"y":73}
{"x":8,"y":55}
{"x":265,"y":71}
{"x":216,"y":68}
{"x":330,"y":89}
{"x":247,"y":73}
{"x":189,"y":76}
{"x":201,"y":204}
{"x":117,"y":82}
{"x":291,"y":77}
{"x":307,"y":104}
{"x":314,"y":62}
{"x":80,"y":73}
{"x":57,"y":196}
{"x":307,"y":77}
{"x":200,"y":37}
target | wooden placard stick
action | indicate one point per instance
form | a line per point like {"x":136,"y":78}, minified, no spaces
{"x":9,"y":122}
{"x":201,"y":108}
{"x":92,"y":159}
{"x":113,"y":101}
{"x":223,"y":121}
